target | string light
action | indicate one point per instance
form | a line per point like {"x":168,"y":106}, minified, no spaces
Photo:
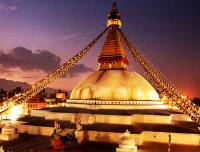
{"x":160,"y":82}
{"x":52,"y":77}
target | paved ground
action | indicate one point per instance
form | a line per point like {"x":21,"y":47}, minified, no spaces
{"x":145,"y":147}
{"x":159,"y":147}
{"x":25,"y":142}
{"x":42,"y":144}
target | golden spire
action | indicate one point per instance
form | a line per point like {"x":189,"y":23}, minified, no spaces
{"x":113,"y":54}
{"x":114,"y":17}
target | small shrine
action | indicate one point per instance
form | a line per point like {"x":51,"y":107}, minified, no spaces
{"x":126,"y":143}
{"x":1,"y":149}
{"x":8,"y":133}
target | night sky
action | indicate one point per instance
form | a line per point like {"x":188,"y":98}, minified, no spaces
{"x":37,"y":36}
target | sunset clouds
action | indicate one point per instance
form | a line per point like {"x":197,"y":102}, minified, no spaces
{"x":40,"y":60}
{"x":26,"y":60}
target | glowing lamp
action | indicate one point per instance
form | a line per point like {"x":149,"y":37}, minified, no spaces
{"x":114,"y":17}
{"x":114,"y":22}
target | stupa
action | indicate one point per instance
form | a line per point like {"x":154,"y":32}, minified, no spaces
{"x":126,"y":143}
{"x":112,"y":83}
{"x":8,"y":132}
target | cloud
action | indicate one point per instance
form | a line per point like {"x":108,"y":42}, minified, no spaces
{"x":2,"y":70}
{"x":5,"y":71}
{"x":30,"y":77}
{"x":70,"y":36}
{"x":7,"y":7}
{"x":12,"y":7}
{"x":26,"y":60}
{"x":43,"y":60}
{"x":76,"y":70}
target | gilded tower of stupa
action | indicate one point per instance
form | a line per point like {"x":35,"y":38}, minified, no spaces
{"x":112,"y":83}
{"x":113,"y":55}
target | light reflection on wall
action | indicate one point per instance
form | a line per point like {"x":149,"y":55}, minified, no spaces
{"x":13,"y":113}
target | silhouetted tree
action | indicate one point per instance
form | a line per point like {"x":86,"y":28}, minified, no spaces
{"x":196,"y":101}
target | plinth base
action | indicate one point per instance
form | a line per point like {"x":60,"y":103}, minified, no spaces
{"x":126,"y":150}
{"x":8,"y":137}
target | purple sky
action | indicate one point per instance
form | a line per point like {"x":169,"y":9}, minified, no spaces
{"x":36,"y":36}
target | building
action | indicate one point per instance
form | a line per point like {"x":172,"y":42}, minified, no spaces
{"x":57,"y":98}
{"x":36,"y":102}
{"x":61,"y":96}
{"x":50,"y":99}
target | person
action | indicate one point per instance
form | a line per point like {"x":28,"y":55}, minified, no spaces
{"x":169,"y":138}
{"x":53,"y":134}
{"x":79,"y":126}
{"x":56,"y":124}
{"x":169,"y":148}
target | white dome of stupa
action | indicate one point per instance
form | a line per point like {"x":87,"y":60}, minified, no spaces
{"x":114,"y":85}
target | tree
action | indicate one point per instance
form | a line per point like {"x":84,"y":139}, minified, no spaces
{"x":196,"y":101}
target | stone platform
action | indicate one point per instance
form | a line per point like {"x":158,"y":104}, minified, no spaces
{"x":145,"y":125}
{"x":152,"y":125}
